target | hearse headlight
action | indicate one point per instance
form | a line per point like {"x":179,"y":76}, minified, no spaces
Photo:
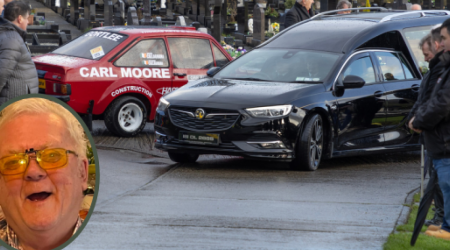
{"x":270,"y":112}
{"x":163,"y":104}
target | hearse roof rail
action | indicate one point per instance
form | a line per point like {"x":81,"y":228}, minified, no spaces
{"x":415,"y":14}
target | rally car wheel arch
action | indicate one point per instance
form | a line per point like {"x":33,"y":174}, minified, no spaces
{"x":183,"y":157}
{"x":126,"y":116}
{"x":310,"y":147}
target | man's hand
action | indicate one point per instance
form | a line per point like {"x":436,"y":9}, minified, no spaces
{"x":410,"y":125}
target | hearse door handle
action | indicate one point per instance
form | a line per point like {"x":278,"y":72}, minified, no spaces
{"x":180,"y":74}
{"x":378,"y":93}
{"x":415,"y":87}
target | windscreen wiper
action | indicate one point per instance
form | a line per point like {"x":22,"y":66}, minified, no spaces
{"x":248,"y":79}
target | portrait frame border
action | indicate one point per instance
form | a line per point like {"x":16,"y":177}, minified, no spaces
{"x":94,"y":150}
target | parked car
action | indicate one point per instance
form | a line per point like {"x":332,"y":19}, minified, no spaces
{"x":125,"y":70}
{"x":336,"y":85}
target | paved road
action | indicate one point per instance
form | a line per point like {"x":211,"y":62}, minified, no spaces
{"x":146,"y":202}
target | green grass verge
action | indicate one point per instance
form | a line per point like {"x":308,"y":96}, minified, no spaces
{"x":401,"y":241}
{"x":409,"y":227}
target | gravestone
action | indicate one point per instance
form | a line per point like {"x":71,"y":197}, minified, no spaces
{"x":223,"y":14}
{"x":108,"y":13}
{"x":201,"y":12}
{"x":63,"y":4}
{"x":132,"y":18}
{"x":158,"y":21}
{"x":208,"y":19}
{"x":73,"y":9}
{"x":217,"y":20}
{"x":169,"y":10}
{"x":119,"y":13}
{"x":188,"y":7}
{"x":87,"y":10}
{"x":147,"y":13}
{"x":194,"y":10}
{"x":180,"y":21}
{"x":241,"y":19}
{"x":258,"y":24}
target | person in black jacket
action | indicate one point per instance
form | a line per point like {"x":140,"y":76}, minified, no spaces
{"x":18,"y":75}
{"x":300,"y":11}
{"x":433,"y":119}
{"x":431,"y":49}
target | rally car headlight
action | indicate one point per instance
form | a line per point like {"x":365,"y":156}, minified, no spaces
{"x":163,"y":104}
{"x":270,"y":112}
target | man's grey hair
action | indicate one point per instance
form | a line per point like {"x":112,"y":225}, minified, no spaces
{"x":341,"y":3}
{"x":426,"y":39}
{"x":436,"y":33}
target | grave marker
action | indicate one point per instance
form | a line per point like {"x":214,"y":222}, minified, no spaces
{"x":132,"y":18}
{"x":258,"y":24}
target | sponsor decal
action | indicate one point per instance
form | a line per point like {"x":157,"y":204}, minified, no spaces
{"x":97,"y":52}
{"x":165,"y":90}
{"x":195,"y":77}
{"x":124,"y":72}
{"x":105,"y":35}
{"x":152,"y":63}
{"x":131,"y":89}
{"x":151,"y":56}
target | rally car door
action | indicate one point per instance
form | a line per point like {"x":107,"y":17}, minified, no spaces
{"x":191,"y":59}
{"x":148,"y":61}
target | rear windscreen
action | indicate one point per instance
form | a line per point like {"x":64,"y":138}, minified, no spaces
{"x":92,"y":45}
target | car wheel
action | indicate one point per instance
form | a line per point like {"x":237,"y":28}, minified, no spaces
{"x":310,"y":145}
{"x":126,"y":116}
{"x":183,"y":157}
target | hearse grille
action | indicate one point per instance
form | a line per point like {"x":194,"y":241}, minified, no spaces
{"x":214,"y":119}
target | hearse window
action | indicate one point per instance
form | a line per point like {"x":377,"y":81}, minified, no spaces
{"x":92,"y":45}
{"x":391,"y":68}
{"x":147,"y":53}
{"x":406,"y":68}
{"x":191,"y":53}
{"x":363,"y":68}
{"x":413,"y":37}
{"x":221,"y":60}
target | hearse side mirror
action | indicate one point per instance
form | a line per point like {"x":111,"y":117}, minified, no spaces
{"x":212,"y":71}
{"x":353,"y":82}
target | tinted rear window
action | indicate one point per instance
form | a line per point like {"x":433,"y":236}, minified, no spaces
{"x":92,"y":45}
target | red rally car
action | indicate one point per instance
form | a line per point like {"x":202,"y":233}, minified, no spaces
{"x":119,"y":73}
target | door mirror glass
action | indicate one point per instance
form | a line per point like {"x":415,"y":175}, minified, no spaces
{"x":353,"y":82}
{"x":212,"y":71}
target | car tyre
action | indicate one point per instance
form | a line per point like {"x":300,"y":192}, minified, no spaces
{"x":126,"y":116}
{"x":310,"y":145}
{"x":183,"y":157}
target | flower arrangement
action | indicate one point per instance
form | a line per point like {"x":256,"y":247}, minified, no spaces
{"x":42,"y":22}
{"x":271,"y":12}
{"x":235,"y":53}
{"x":276,"y":27}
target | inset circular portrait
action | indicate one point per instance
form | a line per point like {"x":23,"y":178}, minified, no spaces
{"x":48,"y":169}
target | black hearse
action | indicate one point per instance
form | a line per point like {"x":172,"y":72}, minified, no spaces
{"x":331,"y":86}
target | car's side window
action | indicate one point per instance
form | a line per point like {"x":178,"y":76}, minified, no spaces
{"x":390,"y":65}
{"x":191,"y":53}
{"x":146,"y":53}
{"x":363,"y":68}
{"x":406,"y":68}
{"x":413,"y":37}
{"x":221,"y":59}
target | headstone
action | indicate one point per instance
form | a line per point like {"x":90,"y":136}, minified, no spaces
{"x":169,"y":10}
{"x":158,"y":21}
{"x":119,"y":13}
{"x":108,"y":13}
{"x":62,"y":38}
{"x":35,"y":40}
{"x":73,"y":9}
{"x":201,"y":12}
{"x":188,"y":7}
{"x":223,"y":14}
{"x":241,"y":19}
{"x":258,"y":24}
{"x":147,"y":13}
{"x":208,"y":18}
{"x":217,"y":20}
{"x":132,"y":18}
{"x":180,"y":21}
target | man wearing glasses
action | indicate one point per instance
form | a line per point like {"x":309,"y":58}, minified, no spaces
{"x":43,"y":173}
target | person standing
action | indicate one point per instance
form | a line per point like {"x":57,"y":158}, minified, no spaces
{"x":416,"y":7}
{"x":344,"y":4}
{"x":434,"y":120}
{"x":18,"y":75}
{"x":300,"y":11}
{"x":431,"y":50}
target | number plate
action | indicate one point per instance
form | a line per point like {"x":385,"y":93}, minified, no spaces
{"x":199,"y":138}
{"x":41,"y":83}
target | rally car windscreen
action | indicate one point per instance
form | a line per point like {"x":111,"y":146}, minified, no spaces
{"x":92,"y":45}
{"x":281,"y":65}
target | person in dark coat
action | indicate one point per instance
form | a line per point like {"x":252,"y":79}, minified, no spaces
{"x":434,"y":120}
{"x":18,"y":75}
{"x":300,"y":11}
{"x":432,"y":50}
